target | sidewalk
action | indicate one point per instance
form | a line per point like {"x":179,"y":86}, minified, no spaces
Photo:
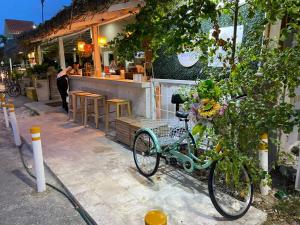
{"x":102,"y":176}
{"x":19,"y":201}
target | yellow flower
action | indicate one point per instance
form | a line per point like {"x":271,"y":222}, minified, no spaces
{"x":209,"y":108}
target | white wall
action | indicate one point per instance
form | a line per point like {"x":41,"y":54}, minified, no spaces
{"x":111,"y":30}
{"x":289,"y":140}
{"x":166,"y":110}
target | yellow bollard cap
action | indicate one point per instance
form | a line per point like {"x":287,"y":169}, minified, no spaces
{"x":155,"y":217}
{"x":35,"y":130}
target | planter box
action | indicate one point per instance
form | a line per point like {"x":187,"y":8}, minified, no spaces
{"x":126,"y":128}
{"x":31,"y":93}
{"x":42,"y":90}
{"x":123,"y":132}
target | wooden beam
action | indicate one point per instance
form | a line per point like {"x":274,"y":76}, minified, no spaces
{"x":97,"y":59}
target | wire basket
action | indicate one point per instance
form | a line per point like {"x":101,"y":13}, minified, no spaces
{"x":167,"y":131}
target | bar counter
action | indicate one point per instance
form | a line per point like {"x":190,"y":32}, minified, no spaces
{"x":112,"y":87}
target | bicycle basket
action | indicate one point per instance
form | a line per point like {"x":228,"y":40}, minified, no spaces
{"x":167,"y":131}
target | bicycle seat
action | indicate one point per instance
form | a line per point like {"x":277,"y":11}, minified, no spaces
{"x":183,"y":115}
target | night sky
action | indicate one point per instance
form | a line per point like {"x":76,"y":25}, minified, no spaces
{"x":29,"y":10}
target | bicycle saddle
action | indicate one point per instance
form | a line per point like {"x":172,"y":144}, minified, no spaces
{"x":183,"y":115}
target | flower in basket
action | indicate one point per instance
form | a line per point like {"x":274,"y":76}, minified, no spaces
{"x":223,"y":109}
{"x":209,"y":108}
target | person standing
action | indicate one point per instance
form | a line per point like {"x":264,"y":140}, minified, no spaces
{"x":63,"y":86}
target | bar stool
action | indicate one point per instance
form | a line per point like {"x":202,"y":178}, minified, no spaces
{"x":95,"y":98}
{"x":81,"y":95}
{"x":72,"y":103}
{"x":118,"y":103}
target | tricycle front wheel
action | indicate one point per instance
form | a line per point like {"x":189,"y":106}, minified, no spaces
{"x":145,"y":154}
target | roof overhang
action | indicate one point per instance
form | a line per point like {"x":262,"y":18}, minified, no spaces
{"x":113,"y":13}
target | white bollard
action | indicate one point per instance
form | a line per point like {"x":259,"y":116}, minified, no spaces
{"x":5,"y":116}
{"x":3,"y":104}
{"x":38,"y":158}
{"x":263,"y":162}
{"x":14,"y":124}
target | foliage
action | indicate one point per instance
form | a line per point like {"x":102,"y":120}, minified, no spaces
{"x":173,"y":25}
{"x":3,"y":39}
{"x":39,"y":71}
{"x":16,"y":74}
{"x":267,"y":73}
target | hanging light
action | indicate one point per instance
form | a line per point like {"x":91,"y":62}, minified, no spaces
{"x":102,"y":41}
{"x":80,"y":46}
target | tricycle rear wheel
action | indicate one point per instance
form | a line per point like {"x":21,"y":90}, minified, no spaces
{"x":231,"y":196}
{"x":145,"y":154}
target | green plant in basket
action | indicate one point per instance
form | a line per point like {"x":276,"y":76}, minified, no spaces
{"x":208,"y":89}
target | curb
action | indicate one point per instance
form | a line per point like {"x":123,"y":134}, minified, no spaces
{"x":34,"y":110}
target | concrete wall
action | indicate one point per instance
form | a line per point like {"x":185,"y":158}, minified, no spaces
{"x":137,"y":93}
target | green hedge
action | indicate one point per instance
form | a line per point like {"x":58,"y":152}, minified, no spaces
{"x":168,"y":66}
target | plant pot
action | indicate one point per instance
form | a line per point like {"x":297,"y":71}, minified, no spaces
{"x":31,"y":93}
{"x":24,"y":82}
{"x":42,"y":90}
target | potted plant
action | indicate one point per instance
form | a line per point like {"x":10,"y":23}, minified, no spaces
{"x":25,"y":81}
{"x":41,"y":82}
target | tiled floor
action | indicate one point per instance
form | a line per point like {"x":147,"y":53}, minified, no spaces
{"x":101,"y":175}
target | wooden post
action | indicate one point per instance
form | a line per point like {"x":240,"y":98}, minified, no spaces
{"x":61,"y":49}
{"x":97,"y":59}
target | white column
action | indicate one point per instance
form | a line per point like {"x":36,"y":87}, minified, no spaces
{"x":74,"y":57}
{"x":97,"y":59}
{"x":10,"y":64}
{"x":61,"y":49}
{"x":39,"y":55}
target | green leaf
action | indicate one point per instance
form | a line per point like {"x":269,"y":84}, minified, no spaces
{"x":208,"y":106}
{"x":198,"y":129}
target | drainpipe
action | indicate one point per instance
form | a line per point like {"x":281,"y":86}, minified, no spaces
{"x":297,"y":184}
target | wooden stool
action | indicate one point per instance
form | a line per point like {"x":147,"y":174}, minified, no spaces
{"x":72,"y":101}
{"x":81,"y":96}
{"x":95,"y":98}
{"x":118,"y":103}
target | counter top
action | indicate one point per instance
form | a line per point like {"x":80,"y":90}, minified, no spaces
{"x":113,"y":80}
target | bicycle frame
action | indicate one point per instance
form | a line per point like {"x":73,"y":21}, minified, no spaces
{"x":189,"y":161}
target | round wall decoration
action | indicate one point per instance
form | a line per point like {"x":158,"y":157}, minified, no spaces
{"x":188,"y":59}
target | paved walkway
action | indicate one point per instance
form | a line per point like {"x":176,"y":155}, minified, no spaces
{"x":20,"y":204}
{"x":101,"y":175}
